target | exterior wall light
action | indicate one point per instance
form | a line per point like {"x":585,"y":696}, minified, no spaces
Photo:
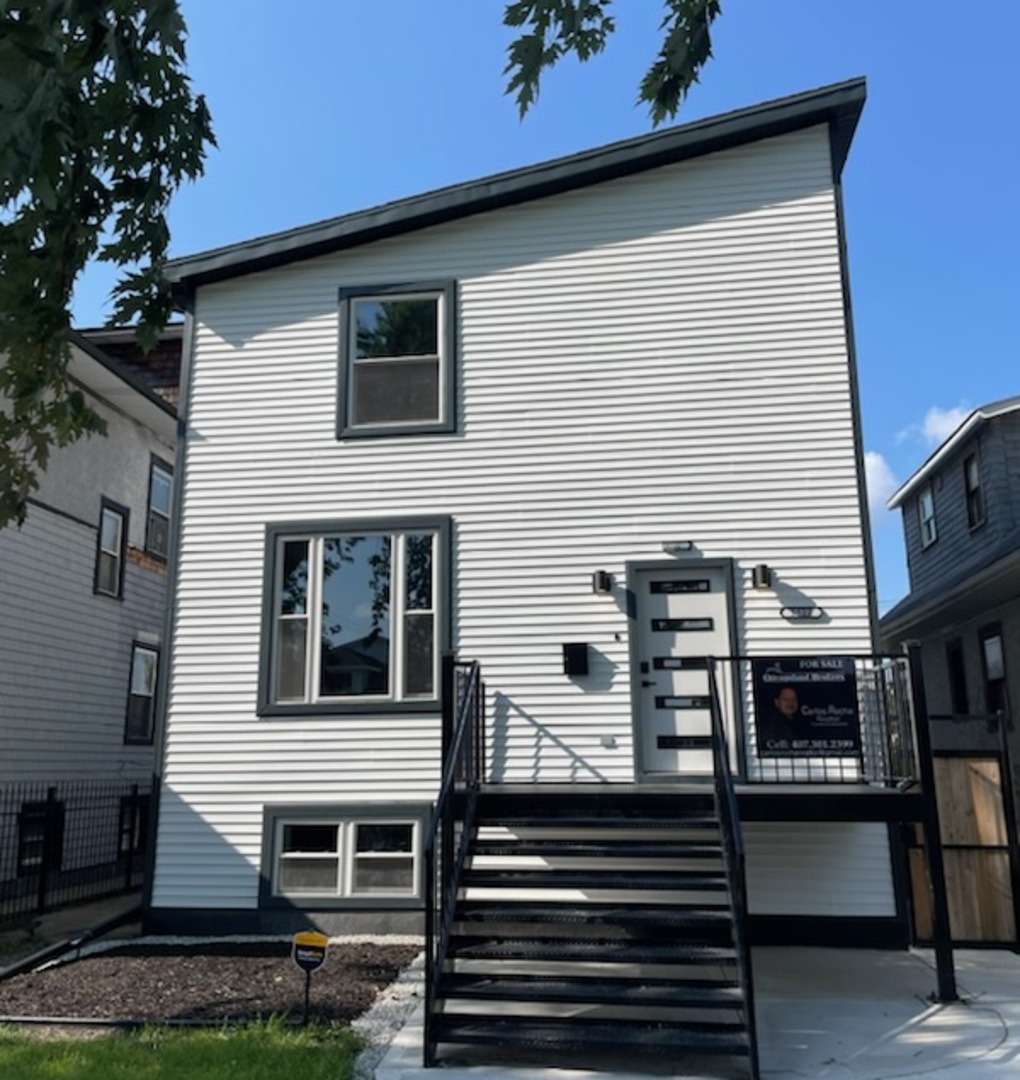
{"x":677,"y":547}
{"x":761,"y":577}
{"x":602,"y":583}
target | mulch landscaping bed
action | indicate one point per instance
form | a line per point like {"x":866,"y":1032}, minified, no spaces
{"x":211,"y":981}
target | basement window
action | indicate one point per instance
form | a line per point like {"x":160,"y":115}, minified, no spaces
{"x":339,"y":857}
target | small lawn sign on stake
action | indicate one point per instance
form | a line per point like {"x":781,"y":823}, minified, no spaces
{"x":309,"y":953}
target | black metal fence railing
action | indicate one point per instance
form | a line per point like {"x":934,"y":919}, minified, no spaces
{"x":67,"y":842}
{"x":878,"y":733}
{"x":734,"y":859}
{"x":448,"y":837}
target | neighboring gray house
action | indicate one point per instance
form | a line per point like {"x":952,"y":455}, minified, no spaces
{"x":961,"y":522}
{"x":82,"y":603}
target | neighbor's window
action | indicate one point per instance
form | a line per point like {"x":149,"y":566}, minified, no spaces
{"x":346,"y":858}
{"x":975,"y":497}
{"x":141,"y":694}
{"x":993,"y":662}
{"x":111,"y":544}
{"x":354,"y":617}
{"x":157,"y":526}
{"x":926,"y":513}
{"x":40,"y":836}
{"x":397,"y":345}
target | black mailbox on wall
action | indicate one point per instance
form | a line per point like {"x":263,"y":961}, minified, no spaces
{"x":575,"y":658}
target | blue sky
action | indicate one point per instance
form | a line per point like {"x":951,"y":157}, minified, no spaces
{"x":322,"y":107}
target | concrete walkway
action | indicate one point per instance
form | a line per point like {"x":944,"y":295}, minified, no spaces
{"x":832,"y":1013}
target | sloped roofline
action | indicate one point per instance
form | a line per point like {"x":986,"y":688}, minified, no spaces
{"x":838,"y":105}
{"x":978,"y":417}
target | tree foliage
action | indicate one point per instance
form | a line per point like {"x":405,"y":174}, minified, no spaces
{"x":553,"y":29}
{"x":98,"y":128}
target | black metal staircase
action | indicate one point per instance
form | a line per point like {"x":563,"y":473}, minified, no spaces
{"x":590,"y":925}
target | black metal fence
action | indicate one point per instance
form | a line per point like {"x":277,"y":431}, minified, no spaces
{"x":68,"y":842}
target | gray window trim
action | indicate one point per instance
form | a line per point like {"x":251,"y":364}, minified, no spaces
{"x":272,"y":815}
{"x":443,"y":528}
{"x":448,"y":362}
{"x":125,"y":516}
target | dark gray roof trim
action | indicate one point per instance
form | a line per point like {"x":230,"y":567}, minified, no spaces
{"x":122,"y":372}
{"x":839,"y":106}
{"x":948,"y":587}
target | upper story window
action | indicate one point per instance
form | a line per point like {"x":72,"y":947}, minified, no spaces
{"x":975,"y":496}
{"x":926,"y":515}
{"x":157,"y":525}
{"x":354,"y":620}
{"x":397,"y":346}
{"x":110,"y":547}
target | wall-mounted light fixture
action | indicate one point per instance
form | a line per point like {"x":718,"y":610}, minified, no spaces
{"x":806,"y":611}
{"x":677,"y":547}
{"x":602,"y":583}
{"x":761,"y":576}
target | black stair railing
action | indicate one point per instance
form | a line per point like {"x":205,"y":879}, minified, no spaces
{"x":734,"y":860}
{"x":449,"y":834}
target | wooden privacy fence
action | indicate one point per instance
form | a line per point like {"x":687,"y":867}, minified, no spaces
{"x":70,"y":841}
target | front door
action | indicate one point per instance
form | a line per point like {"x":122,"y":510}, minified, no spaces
{"x":682,"y":617}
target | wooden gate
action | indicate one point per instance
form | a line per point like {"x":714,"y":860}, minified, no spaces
{"x":979,"y":846}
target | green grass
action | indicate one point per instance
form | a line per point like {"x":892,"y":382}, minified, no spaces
{"x":264,"y":1051}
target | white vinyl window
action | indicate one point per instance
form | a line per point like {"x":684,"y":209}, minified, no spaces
{"x":109,"y":578}
{"x":397,"y":353}
{"x":354,"y":618}
{"x":926,"y":516}
{"x":346,"y":858}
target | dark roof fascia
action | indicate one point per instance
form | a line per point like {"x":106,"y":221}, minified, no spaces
{"x":918,"y":605}
{"x":122,"y":373}
{"x":838,"y":105}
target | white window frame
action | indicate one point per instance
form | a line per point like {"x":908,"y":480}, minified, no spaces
{"x":926,"y":516}
{"x":443,"y":292}
{"x":397,"y":698}
{"x":121,"y":515}
{"x":156,"y":466}
{"x":345,"y":857}
{"x":129,"y":738}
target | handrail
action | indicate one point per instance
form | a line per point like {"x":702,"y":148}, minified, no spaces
{"x":463,"y":757}
{"x":734,"y":857}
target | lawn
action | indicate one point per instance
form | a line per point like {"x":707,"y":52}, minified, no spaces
{"x":264,"y":1051}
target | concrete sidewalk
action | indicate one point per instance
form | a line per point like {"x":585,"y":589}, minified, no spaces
{"x":828,"y":1013}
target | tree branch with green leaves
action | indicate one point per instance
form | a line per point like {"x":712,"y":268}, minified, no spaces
{"x":98,"y":129}
{"x":552,"y":29}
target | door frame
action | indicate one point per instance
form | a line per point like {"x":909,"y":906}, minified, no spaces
{"x":694,"y":564}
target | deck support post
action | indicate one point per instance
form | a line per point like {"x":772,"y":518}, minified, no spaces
{"x":943,"y":942}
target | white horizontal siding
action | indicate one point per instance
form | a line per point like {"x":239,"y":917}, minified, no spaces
{"x":819,"y":868}
{"x":658,"y":357}
{"x":65,"y":655}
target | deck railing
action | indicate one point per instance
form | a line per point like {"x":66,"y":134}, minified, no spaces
{"x":449,"y":834}
{"x":734,"y":859}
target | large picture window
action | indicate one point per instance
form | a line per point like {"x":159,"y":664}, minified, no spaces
{"x":397,"y":356}
{"x":354,"y":618}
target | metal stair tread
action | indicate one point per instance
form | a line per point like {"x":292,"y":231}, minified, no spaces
{"x":643,"y":1036}
{"x":638,"y":916}
{"x":590,"y":849}
{"x":542,"y":878}
{"x":702,"y":994}
{"x":591,"y":950}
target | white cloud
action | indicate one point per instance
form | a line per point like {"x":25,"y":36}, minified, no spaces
{"x":939,"y":424}
{"x":881,"y":483}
